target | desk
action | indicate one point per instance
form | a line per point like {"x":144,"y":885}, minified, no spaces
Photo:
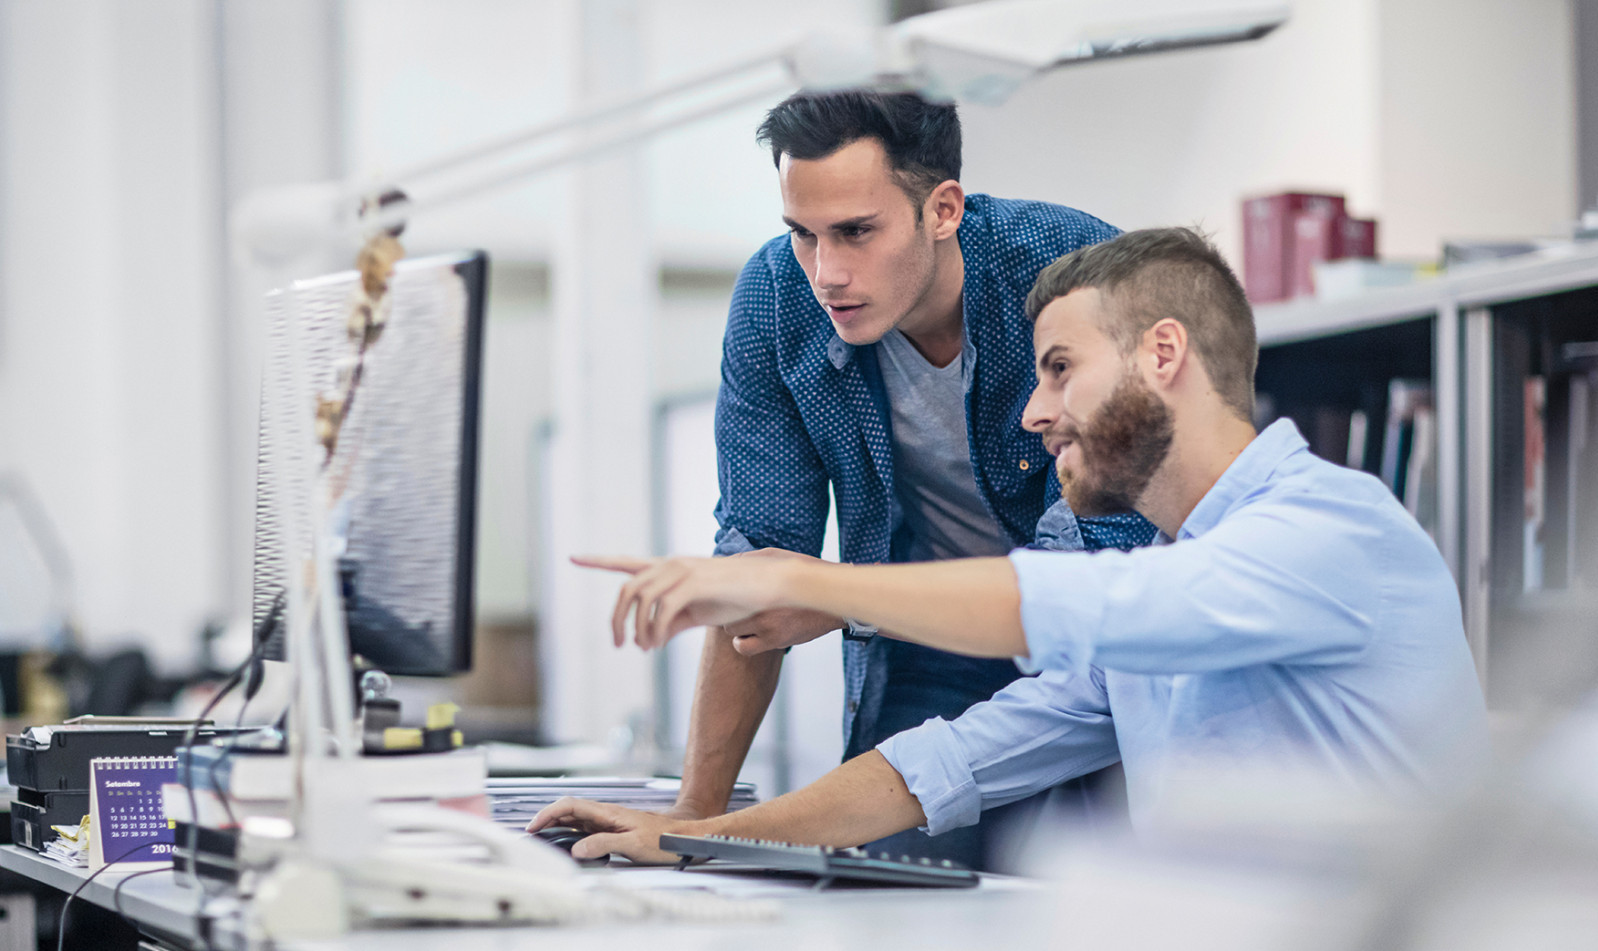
{"x":1002,"y":912}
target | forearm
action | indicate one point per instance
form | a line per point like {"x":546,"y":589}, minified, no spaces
{"x":731,"y":695}
{"x":967,"y":606}
{"x":860,"y":801}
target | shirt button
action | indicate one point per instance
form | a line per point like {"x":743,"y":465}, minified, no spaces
{"x":854,"y":706}
{"x":1025,"y":465}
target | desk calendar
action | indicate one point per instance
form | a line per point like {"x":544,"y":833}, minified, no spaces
{"x":127,"y":823}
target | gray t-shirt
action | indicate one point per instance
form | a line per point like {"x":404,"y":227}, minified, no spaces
{"x":932,"y":459}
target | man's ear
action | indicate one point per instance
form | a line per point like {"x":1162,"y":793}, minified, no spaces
{"x":1165,"y":347}
{"x":944,"y":208}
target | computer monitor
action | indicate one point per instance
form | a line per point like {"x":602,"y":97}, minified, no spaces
{"x":405,"y":464}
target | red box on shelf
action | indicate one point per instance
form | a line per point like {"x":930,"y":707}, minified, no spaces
{"x":1316,"y":237}
{"x":1269,"y":254}
{"x":1359,"y":238}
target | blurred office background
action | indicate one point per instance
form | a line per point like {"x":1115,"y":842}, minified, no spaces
{"x":130,"y":338}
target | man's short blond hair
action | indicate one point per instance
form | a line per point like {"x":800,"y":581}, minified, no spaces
{"x":1146,"y":276}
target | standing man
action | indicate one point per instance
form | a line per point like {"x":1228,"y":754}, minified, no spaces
{"x":880,"y":351}
{"x":1300,"y":622}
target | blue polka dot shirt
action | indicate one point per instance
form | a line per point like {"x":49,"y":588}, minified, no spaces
{"x":801,"y":414}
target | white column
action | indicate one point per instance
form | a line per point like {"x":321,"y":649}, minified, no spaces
{"x":111,"y":250}
{"x":605,"y":293}
{"x":280,"y":89}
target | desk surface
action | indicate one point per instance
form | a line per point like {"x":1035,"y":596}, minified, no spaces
{"x":1002,"y":911}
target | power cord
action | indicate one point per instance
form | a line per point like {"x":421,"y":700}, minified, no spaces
{"x":252,"y":684}
{"x":61,"y":926}
{"x":193,"y":838}
{"x":116,"y":893}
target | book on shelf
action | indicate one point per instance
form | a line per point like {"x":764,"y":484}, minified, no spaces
{"x":1404,"y":398}
{"x":1578,"y":474}
{"x":1357,"y":238}
{"x":1269,"y":225}
{"x":1420,"y":473}
{"x":1535,"y":482}
{"x":1409,"y":449}
{"x":1287,"y":235}
{"x":1580,"y":478}
{"x":1344,"y":278}
{"x":1359,"y":425}
{"x":1315,"y":239}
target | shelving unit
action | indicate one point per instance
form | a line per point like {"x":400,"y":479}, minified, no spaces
{"x":1477,"y":335}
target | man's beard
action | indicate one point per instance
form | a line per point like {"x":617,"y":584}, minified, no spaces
{"x":1122,"y":447}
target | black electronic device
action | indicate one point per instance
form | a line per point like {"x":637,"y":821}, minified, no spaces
{"x":215,"y":856}
{"x":405,"y":460}
{"x":564,"y":837}
{"x":56,"y":758}
{"x":49,"y":765}
{"x":825,"y":862}
{"x":34,"y":811}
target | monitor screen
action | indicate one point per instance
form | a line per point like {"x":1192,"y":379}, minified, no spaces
{"x":403,"y":476}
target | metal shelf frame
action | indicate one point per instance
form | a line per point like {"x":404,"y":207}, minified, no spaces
{"x":1461,"y":306}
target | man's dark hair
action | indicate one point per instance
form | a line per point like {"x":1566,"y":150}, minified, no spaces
{"x":1146,"y":276}
{"x":922,"y":139}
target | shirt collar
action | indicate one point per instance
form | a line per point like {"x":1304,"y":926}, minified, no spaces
{"x":1250,"y":470}
{"x":838,"y":352}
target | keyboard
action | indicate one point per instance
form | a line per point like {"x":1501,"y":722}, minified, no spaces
{"x":823,"y":861}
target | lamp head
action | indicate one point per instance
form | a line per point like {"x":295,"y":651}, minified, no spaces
{"x":983,"y":52}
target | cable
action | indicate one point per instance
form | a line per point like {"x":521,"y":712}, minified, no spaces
{"x":61,"y":927}
{"x":116,"y":893}
{"x":193,"y":733}
{"x":252,"y":678}
{"x":188,"y":777}
{"x":227,"y":751}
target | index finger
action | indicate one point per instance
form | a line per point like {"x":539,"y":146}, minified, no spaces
{"x":625,"y":564}
{"x":567,"y":810}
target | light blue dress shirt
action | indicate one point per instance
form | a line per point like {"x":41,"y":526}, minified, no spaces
{"x":1301,"y":619}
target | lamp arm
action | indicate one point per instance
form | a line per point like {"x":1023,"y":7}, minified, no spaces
{"x":603,"y":112}
{"x":397,"y":213}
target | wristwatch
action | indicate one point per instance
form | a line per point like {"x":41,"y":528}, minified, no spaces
{"x":858,"y":630}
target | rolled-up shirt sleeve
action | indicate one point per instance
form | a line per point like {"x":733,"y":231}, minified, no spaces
{"x":1034,"y":734}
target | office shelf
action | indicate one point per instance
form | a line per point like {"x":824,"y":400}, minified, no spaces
{"x":1476,"y":335}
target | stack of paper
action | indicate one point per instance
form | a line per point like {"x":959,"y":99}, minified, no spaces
{"x":516,"y":800}
{"x":70,"y":847}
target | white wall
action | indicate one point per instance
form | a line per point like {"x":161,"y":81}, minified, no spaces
{"x":281,"y":122}
{"x":1442,"y":119}
{"x":426,"y":78}
{"x":1178,"y":139}
{"x":110,"y":357}
{"x":1477,"y":121}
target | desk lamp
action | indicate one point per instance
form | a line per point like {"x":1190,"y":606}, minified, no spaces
{"x":329,"y":870}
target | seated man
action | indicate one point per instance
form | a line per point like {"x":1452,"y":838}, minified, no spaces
{"x":1299,"y":618}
